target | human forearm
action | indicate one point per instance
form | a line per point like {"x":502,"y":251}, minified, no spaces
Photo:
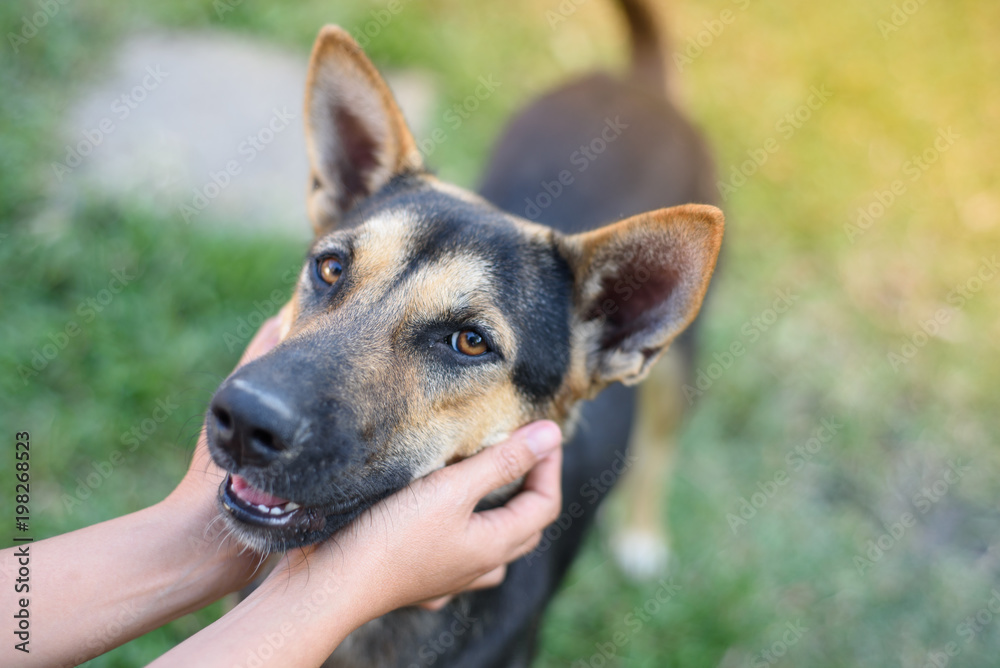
{"x":98,"y":587}
{"x":297,"y":617}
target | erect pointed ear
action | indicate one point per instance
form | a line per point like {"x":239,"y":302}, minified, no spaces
{"x":639,"y":283}
{"x":356,"y":137}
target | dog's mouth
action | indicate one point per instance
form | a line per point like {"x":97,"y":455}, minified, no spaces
{"x":253,"y":506}
{"x":270,"y":523}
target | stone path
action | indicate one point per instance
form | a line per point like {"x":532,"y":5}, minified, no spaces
{"x":208,"y":125}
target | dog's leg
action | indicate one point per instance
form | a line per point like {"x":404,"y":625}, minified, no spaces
{"x":641,"y":546}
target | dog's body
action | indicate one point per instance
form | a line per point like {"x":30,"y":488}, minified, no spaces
{"x":428,"y":324}
{"x":650,"y":157}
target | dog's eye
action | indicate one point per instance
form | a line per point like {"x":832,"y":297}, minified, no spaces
{"x":469,"y":343}
{"x":329,"y":269}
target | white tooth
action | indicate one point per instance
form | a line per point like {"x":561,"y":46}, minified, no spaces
{"x":290,"y":506}
{"x":262,"y":508}
{"x":275,"y":511}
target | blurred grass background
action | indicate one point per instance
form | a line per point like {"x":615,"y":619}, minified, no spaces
{"x":796,"y":560}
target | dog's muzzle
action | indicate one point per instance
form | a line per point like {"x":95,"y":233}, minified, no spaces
{"x":297,"y":471}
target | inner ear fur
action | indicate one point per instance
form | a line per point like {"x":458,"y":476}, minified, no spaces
{"x":356,"y":137}
{"x":639,"y":283}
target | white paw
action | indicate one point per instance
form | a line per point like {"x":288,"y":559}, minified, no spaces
{"x":642,"y":555}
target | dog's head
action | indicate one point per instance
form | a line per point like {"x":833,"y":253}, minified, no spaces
{"x":427,"y":324}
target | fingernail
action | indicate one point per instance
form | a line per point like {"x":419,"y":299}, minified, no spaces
{"x":541,"y":437}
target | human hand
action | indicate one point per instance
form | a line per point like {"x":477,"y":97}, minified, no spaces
{"x":427,"y":542}
{"x":158,"y":563}
{"x":195,"y":496}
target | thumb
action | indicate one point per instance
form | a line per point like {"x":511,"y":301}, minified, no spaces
{"x":505,"y":462}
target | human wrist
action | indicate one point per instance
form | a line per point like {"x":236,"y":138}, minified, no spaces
{"x":327,"y":594}
{"x":207,"y":550}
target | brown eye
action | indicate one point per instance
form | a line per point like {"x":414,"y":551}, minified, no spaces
{"x":469,"y":343}
{"x":330,"y":270}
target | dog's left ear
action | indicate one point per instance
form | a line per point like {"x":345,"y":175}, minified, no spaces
{"x":356,"y":137}
{"x":639,"y":283}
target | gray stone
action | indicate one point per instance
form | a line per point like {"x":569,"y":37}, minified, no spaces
{"x":209,"y":121}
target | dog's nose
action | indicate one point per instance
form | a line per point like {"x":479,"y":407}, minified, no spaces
{"x":252,"y":426}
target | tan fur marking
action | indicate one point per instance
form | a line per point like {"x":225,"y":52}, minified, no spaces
{"x":471,"y":422}
{"x":654,"y":444}
{"x":459,"y":281}
{"x":381,"y":246}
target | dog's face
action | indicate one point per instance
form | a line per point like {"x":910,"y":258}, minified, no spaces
{"x":426,"y":324}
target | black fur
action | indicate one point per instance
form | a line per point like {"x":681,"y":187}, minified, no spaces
{"x":660,"y":160}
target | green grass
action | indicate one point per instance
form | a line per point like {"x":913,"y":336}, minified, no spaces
{"x":793,"y":562}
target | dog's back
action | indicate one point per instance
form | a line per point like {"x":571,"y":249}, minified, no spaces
{"x":619,"y":143}
{"x":596,"y":150}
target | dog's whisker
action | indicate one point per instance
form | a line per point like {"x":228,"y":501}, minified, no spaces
{"x":211,"y":525}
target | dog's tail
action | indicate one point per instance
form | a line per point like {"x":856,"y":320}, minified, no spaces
{"x":648,"y":45}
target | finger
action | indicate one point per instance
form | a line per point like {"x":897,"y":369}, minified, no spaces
{"x":527,"y":546}
{"x":436,"y":604}
{"x":508,"y":461}
{"x":529,"y":512}
{"x":488,"y":581}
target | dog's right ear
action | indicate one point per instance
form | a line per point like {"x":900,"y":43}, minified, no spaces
{"x":639,"y":283}
{"x":356,"y":137}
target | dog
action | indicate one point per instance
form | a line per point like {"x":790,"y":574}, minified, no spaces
{"x":429,"y":322}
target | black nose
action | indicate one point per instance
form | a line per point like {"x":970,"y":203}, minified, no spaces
{"x":251,"y":426}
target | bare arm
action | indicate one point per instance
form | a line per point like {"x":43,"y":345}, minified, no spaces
{"x":98,"y":587}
